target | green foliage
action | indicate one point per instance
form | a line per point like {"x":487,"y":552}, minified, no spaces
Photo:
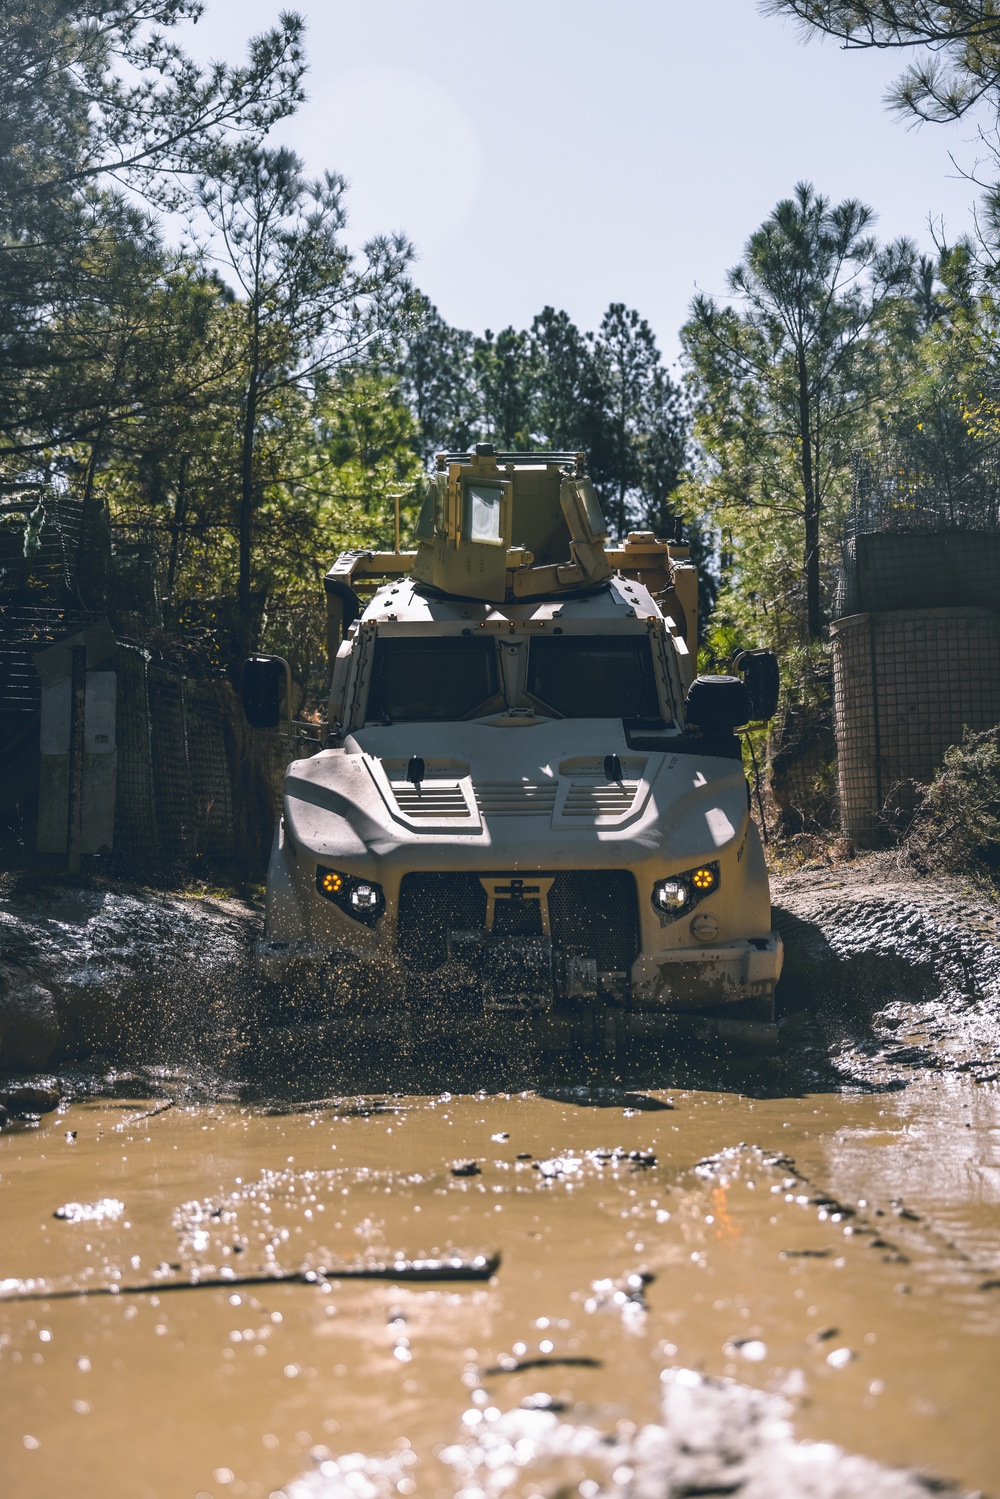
{"x":186,"y":409}
{"x":785,"y":384}
{"x":306,"y":306}
{"x":433,"y":373}
{"x":97,"y":100}
{"x":956,"y":70}
{"x":963,"y":40}
{"x":957,"y":826}
{"x":361,"y":458}
{"x":553,"y":386}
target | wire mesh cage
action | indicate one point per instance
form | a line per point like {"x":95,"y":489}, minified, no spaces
{"x":923,"y":530}
{"x":919,"y":486}
{"x":906,"y":684}
{"x":916,"y":646}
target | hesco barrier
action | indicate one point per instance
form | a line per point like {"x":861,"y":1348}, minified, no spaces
{"x":194,"y":782}
{"x":906,"y":683}
{"x":919,"y":570}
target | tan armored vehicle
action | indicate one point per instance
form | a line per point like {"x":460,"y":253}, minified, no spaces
{"x":529,"y":806}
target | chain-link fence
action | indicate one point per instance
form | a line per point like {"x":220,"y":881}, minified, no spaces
{"x":923,"y":532}
{"x":917,"y":486}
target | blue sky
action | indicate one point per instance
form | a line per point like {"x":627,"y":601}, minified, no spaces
{"x":577,"y":153}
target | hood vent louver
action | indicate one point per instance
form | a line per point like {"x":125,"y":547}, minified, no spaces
{"x":609,"y":799}
{"x":430,"y":800}
{"x":516,"y":798}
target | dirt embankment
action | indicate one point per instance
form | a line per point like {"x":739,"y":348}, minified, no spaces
{"x":110,"y":969}
{"x":887,"y":972}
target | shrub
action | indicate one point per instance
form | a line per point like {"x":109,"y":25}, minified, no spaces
{"x":957,"y":825}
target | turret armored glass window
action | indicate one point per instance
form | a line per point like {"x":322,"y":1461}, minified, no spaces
{"x":482,"y":519}
{"x":429,"y":518}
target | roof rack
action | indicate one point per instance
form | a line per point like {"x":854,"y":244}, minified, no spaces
{"x":541,"y":457}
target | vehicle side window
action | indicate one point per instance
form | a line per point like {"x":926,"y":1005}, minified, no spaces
{"x":422,"y":681}
{"x":594,"y":676}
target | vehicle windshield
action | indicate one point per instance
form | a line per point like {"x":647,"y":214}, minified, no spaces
{"x":419,"y":681}
{"x":594,"y":676}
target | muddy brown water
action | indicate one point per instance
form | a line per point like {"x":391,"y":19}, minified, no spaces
{"x":842,"y":1247}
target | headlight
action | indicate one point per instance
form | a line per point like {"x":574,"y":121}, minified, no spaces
{"x":681,"y":892}
{"x":361,"y":899}
{"x":671,"y":895}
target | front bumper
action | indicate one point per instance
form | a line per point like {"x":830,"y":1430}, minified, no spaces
{"x":688,"y":978}
{"x":660,"y":983}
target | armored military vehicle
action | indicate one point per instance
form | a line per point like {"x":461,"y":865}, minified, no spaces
{"x":530,"y":811}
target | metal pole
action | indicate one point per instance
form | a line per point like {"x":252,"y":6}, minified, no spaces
{"x":334,"y":628}
{"x":74,"y":799}
{"x":396,"y":499}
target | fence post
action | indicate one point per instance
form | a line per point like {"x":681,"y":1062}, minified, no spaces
{"x":74,"y":800}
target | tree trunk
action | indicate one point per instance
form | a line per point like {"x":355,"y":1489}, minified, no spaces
{"x":811,"y":508}
{"x":245,"y":523}
{"x":177,"y":524}
{"x":93,"y":565}
{"x":622,"y":465}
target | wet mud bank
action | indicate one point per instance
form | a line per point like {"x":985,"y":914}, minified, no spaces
{"x":886,"y":974}
{"x":118,"y":971}
{"x":881,"y":971}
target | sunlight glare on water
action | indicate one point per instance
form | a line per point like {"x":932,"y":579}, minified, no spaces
{"x":823,"y":1248}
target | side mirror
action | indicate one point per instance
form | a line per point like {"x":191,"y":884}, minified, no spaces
{"x":759,"y":670}
{"x":261,"y":685}
{"x":717,"y":704}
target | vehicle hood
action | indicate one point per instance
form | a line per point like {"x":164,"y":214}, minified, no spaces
{"x":538,"y":790}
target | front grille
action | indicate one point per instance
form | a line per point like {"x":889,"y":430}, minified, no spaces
{"x":516,"y":798}
{"x":445,"y":799}
{"x":585,"y":799}
{"x":432,"y":905}
{"x":594,"y":912}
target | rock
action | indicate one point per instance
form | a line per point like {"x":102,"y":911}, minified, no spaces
{"x":29,"y":1025}
{"x":626,"y":1295}
{"x":39,"y":1096}
{"x":465,"y":1168}
{"x":106,"y":1210}
{"x":751,"y":1349}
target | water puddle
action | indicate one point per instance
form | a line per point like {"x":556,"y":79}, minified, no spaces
{"x":603,"y":1257}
